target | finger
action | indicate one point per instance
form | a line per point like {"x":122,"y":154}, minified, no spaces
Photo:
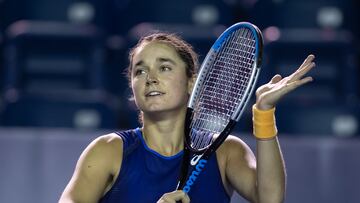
{"x":305,"y":67}
{"x":275,"y":79}
{"x":176,"y":196}
{"x":186,"y":199}
{"x":308,"y":60}
{"x":182,"y":197}
{"x":293,"y":85}
{"x":302,"y":71}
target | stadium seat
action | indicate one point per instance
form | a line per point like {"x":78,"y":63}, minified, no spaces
{"x":54,"y":77}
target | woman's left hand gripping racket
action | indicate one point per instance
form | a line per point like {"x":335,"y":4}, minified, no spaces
{"x":222,"y":90}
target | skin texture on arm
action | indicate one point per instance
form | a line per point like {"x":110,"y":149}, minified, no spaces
{"x":95,"y":171}
{"x":271,"y":170}
{"x":238,"y":163}
{"x":271,"y":175}
{"x":263,"y":179}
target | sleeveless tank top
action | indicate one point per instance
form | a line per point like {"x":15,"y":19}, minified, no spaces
{"x":146,"y":175}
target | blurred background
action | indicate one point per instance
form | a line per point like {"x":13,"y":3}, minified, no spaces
{"x":62,"y":84}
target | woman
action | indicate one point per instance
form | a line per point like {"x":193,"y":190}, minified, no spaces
{"x":142,"y":165}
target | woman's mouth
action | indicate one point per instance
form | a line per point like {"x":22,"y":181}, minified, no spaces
{"x":154,"y":93}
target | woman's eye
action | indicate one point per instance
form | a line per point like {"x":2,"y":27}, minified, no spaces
{"x":165,"y":68}
{"x":139,"y":72}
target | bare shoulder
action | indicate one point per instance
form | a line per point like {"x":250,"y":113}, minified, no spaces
{"x":234,"y":144}
{"x":235,"y":150}
{"x":234,"y":140}
{"x":102,"y":157}
{"x":95,"y":170}
{"x":103,"y":151}
{"x":111,"y":140}
{"x":236,"y":161}
{"x":109,"y":145}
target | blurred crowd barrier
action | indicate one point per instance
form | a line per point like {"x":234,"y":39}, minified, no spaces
{"x":62,"y":64}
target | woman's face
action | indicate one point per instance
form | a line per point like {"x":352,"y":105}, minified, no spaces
{"x":158,"y":79}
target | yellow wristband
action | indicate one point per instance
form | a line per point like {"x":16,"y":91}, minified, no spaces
{"x":264,"y":126}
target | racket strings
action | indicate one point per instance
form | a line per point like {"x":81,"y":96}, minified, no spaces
{"x":223,"y":87}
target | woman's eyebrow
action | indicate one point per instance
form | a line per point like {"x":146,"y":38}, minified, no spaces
{"x":139,"y":63}
{"x":162,"y":59}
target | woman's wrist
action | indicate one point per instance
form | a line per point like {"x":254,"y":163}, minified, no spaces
{"x":263,"y":107}
{"x":264,"y":125}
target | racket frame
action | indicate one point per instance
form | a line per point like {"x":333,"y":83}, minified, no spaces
{"x":201,"y":156}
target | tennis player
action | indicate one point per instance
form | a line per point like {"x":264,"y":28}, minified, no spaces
{"x":143,"y":164}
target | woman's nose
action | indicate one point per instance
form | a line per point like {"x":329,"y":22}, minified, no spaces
{"x":151,"y":79}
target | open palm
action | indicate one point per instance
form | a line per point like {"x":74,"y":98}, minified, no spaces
{"x":269,"y":94}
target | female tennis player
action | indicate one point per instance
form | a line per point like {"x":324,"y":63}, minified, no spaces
{"x":143,"y":164}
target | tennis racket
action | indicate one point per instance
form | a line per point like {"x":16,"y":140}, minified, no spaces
{"x":221,"y":92}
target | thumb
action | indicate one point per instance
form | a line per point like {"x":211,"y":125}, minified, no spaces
{"x":275,"y":79}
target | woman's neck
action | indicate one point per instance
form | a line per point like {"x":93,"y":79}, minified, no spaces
{"x":164,"y":134}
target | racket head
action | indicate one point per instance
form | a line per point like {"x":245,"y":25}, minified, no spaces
{"x":224,"y":85}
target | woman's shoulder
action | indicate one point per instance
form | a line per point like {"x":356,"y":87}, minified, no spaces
{"x":106,"y":145}
{"x":106,"y":150}
{"x":108,"y":139}
{"x":233,"y":141}
{"x":234,"y":145}
{"x":232,"y":150}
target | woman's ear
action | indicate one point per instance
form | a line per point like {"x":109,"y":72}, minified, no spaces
{"x":191,"y":84}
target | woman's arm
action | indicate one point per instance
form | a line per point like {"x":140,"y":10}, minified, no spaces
{"x":95,"y":171}
{"x":270,"y":164}
{"x":263,"y":180}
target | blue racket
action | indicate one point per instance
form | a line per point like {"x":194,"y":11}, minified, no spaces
{"x":221,"y":92}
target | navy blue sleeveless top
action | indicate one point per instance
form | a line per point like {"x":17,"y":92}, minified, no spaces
{"x":146,"y":175}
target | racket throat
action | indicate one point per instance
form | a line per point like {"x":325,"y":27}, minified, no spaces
{"x":195,"y":159}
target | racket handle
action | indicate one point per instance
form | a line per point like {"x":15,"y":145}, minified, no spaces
{"x":184,"y":170}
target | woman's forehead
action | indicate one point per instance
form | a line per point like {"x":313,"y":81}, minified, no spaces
{"x":155,"y":50}
{"x":163,"y":47}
